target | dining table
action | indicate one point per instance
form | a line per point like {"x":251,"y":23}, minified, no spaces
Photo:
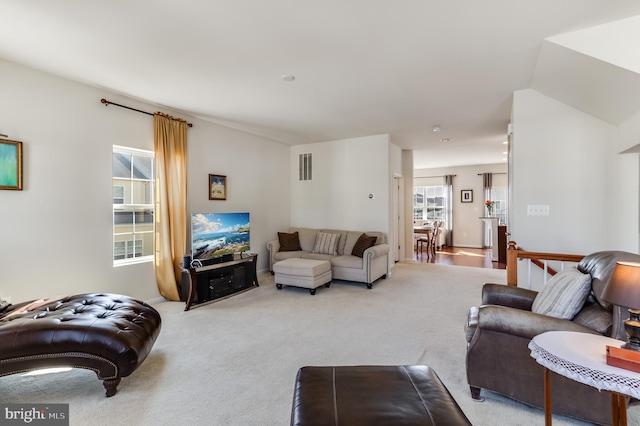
{"x":424,"y":229}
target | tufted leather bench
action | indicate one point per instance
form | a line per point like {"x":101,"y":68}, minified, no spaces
{"x":373,"y":395}
{"x":110,"y":334}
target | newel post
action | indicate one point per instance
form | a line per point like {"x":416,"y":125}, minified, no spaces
{"x":512,"y":264}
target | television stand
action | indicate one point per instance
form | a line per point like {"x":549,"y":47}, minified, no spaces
{"x":215,"y":281}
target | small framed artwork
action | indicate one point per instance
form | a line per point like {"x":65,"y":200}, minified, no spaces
{"x":217,"y":187}
{"x":466,"y":196}
{"x":10,"y":165}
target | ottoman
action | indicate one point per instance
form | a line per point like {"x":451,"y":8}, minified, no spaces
{"x":306,"y":273}
{"x":373,"y":395}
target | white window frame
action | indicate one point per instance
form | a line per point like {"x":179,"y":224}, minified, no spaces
{"x":119,"y":198}
{"x":134,"y":246}
{"x":425,"y":190}
{"x":131,"y":247}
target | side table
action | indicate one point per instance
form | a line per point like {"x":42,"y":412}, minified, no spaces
{"x":582,"y":357}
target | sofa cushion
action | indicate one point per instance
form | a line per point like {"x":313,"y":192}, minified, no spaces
{"x":564,"y":295}
{"x":382,"y":237}
{"x":347,"y":261}
{"x":600,"y":266}
{"x":307,"y":237}
{"x":594,"y":316}
{"x":326,"y":243}
{"x":342,"y":240}
{"x":289,"y":242}
{"x":364,"y":242}
{"x":284,"y":255}
{"x":352,"y":238}
{"x":316,"y":256}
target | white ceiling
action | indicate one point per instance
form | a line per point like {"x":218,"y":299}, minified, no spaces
{"x":362,"y":67}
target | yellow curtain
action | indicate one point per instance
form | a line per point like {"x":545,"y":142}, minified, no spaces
{"x":170,"y":142}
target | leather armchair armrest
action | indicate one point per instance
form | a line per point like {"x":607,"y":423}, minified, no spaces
{"x":523,"y":323}
{"x":504,"y":295}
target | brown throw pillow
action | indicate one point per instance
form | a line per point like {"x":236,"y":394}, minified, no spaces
{"x":289,"y":242}
{"x":364,"y":242}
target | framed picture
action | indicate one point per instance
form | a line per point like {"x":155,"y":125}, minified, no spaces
{"x":217,"y":187}
{"x":10,"y":165}
{"x":466,"y":196}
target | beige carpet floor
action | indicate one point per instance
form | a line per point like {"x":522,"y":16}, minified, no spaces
{"x":233,"y":362}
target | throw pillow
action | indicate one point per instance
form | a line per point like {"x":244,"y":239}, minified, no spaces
{"x":364,"y":242}
{"x":326,"y":243}
{"x":564,"y":294}
{"x":289,"y":242}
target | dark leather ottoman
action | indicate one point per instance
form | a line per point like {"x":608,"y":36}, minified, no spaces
{"x":110,"y":334}
{"x":373,"y":395}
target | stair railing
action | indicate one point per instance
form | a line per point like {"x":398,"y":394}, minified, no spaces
{"x":538,"y":259}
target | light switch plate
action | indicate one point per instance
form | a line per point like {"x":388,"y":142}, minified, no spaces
{"x":538,"y":210}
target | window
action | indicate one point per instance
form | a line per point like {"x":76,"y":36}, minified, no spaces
{"x":133,"y":185}
{"x":499,"y":196}
{"x":429,"y":203}
{"x":118,"y":194}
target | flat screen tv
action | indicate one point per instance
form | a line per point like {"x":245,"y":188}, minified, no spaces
{"x":218,"y":234}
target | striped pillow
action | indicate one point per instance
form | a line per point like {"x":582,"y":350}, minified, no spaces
{"x":564,"y":294}
{"x":326,"y":243}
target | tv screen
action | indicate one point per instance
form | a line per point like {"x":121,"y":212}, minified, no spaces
{"x":217,"y":234}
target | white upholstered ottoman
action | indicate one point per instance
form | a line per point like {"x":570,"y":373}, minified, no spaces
{"x":306,"y":273}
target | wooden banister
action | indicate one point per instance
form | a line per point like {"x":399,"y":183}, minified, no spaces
{"x":514,"y":253}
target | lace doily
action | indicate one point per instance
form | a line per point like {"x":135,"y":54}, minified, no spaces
{"x":583,"y":364}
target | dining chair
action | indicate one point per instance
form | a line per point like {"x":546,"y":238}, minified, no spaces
{"x":427,"y":241}
{"x":433,"y":237}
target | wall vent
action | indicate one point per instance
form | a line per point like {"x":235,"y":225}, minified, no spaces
{"x":304,"y":167}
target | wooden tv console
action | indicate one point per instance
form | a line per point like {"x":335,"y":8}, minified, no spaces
{"x":215,"y":281}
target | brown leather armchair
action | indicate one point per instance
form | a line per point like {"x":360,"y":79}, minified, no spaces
{"x":498,"y":333}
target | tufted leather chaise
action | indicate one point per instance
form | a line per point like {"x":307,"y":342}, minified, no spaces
{"x":110,"y":334}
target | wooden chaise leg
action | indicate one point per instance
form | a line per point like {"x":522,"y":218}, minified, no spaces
{"x":111,"y":386}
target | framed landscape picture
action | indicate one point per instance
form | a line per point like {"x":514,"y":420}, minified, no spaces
{"x":217,"y":187}
{"x":10,"y":165}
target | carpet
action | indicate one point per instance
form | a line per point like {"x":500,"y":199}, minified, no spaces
{"x":234,"y":362}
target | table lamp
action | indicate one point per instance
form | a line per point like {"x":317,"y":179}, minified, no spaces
{"x":623,"y":289}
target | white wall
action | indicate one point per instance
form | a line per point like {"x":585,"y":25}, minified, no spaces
{"x":467,"y":227}
{"x":569,"y":160}
{"x":406,"y":250}
{"x":345,"y":173}
{"x":629,"y":134}
{"x":56,"y":235}
{"x":257,"y":172}
{"x":397,"y":215}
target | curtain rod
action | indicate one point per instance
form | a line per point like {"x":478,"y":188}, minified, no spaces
{"x":423,"y":177}
{"x":500,"y":173}
{"x":107,"y":103}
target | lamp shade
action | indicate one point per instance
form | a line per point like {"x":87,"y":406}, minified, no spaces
{"x":623,"y":288}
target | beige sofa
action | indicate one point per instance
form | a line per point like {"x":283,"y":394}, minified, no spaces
{"x":372,"y":265}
